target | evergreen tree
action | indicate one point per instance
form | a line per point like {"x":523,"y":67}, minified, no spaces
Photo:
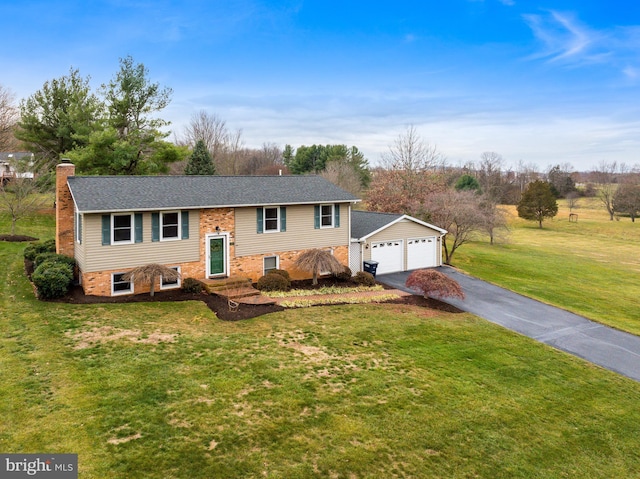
{"x":58,"y":118}
{"x":199,"y":162}
{"x":467,"y":182}
{"x":538,"y":202}
{"x":131,"y":142}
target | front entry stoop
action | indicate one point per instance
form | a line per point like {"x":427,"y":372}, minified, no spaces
{"x":237,"y":289}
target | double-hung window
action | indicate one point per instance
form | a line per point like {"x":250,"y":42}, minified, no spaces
{"x":326,"y":216}
{"x":271,"y":219}
{"x":166,"y":284}
{"x":119,"y":285}
{"x":270,"y":263}
{"x":170,"y":225}
{"x":121,"y":228}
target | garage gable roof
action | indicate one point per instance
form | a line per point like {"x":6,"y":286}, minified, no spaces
{"x":367,"y":223}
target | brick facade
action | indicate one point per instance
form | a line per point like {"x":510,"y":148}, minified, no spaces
{"x":99,"y":283}
{"x":64,"y":210}
{"x":253,"y":266}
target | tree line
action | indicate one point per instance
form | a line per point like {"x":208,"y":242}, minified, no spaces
{"x":116,"y":130}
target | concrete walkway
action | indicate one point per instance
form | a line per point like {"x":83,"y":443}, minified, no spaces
{"x":599,"y":344}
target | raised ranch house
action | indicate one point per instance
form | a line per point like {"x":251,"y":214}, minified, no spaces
{"x":206,"y":227}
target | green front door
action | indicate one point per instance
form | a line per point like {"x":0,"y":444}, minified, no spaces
{"x":216,"y":256}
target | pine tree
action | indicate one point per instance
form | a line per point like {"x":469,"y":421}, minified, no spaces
{"x":199,"y":162}
{"x":538,"y":202}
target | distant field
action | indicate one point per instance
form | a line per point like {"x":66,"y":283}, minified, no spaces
{"x":591,"y":266}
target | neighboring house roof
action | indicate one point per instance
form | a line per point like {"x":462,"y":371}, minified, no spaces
{"x":367,"y":223}
{"x":8,"y":161}
{"x":94,"y":194}
{"x":14,"y":155}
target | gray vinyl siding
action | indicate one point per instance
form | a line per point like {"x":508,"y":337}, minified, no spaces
{"x":300,"y":234}
{"x":93,"y":256}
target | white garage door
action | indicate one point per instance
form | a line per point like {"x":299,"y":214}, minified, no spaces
{"x":421,"y":253}
{"x":389,"y":256}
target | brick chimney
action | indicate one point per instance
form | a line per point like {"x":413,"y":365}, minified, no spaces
{"x":64,"y":209}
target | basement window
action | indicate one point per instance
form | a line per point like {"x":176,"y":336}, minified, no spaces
{"x":119,"y":285}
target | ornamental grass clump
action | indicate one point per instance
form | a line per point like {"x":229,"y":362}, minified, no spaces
{"x":432,"y":283}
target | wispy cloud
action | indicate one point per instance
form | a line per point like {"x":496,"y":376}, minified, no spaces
{"x":562,"y":36}
{"x":564,"y":39}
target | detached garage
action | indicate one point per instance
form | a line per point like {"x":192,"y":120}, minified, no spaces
{"x":396,"y":242}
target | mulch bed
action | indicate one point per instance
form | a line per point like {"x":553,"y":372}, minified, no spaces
{"x":216,"y":303}
{"x":17,"y":238}
{"x":219,"y":305}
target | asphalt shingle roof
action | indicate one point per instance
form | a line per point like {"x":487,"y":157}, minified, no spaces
{"x":364,"y":223}
{"x":137,"y":193}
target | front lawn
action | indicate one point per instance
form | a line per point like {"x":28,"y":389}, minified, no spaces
{"x":166,"y":390}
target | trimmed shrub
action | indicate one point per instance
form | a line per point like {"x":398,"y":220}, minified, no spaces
{"x":364,"y":279}
{"x":34,"y":249}
{"x":434,"y":283}
{"x":52,"y":279}
{"x":54,"y":258}
{"x":273,"y":282}
{"x":282,"y":272}
{"x":345,"y":275}
{"x":192,"y":285}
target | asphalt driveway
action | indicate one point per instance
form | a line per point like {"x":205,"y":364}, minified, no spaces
{"x":607,"y":347}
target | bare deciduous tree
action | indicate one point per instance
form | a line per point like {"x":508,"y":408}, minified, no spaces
{"x":19,"y":197}
{"x":459,"y":213}
{"x":626,"y":200}
{"x":265,"y":161}
{"x":209,"y":128}
{"x":606,"y":175}
{"x":8,"y":120}
{"x":343,"y":174}
{"x":229,"y":160}
{"x":411,"y":154}
{"x":490,"y":175}
{"x":393,"y":191}
{"x":494,"y":220}
{"x":572,"y":200}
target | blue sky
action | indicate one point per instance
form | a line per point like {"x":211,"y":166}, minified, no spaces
{"x":538,"y":81}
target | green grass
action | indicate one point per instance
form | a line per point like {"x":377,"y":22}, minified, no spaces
{"x":162,"y":390}
{"x":591,"y":267}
